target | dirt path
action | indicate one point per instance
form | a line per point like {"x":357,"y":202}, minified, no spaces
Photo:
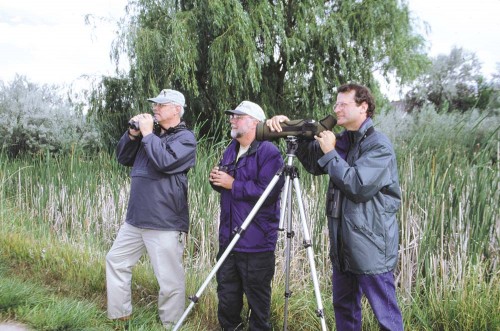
{"x":8,"y":326}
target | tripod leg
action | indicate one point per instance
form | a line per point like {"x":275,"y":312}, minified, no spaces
{"x":229,"y":248}
{"x":287,"y":202}
{"x":310,"y":253}
{"x":284,"y":197}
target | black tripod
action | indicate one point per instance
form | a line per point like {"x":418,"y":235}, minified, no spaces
{"x":291,"y":175}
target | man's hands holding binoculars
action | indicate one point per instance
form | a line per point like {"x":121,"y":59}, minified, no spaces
{"x":143,"y":124}
{"x":221,"y":178}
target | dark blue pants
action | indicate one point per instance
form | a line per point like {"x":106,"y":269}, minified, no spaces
{"x":378,"y":289}
{"x":250,"y":274}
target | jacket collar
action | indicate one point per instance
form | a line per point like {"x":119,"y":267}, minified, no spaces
{"x":174,"y":129}
{"x":347,"y":138}
{"x":251,"y":149}
{"x":355,"y":136}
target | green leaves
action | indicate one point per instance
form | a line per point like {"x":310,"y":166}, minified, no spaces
{"x":286,"y":56}
{"x":451,"y":83}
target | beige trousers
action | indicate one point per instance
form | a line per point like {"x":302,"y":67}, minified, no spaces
{"x":165,"y":249}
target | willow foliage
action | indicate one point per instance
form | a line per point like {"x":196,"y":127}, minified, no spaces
{"x":286,"y":55}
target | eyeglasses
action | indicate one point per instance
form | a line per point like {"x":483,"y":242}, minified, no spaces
{"x":236,"y":117}
{"x":159,"y":105}
{"x":342,"y":105}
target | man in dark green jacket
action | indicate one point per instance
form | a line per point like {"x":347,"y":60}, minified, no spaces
{"x":362,"y":200}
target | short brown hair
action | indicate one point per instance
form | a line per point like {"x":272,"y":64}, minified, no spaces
{"x":362,"y":94}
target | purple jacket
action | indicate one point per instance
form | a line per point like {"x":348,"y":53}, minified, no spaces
{"x":252,"y":174}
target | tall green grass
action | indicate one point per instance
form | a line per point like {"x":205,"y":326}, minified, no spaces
{"x":77,"y":197}
{"x":59,"y":216}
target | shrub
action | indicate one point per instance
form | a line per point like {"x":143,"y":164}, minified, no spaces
{"x":37,"y":119}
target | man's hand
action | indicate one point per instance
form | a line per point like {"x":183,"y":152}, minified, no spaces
{"x":145,"y":124}
{"x":133,"y":134}
{"x":221,"y":178}
{"x":274,"y":123}
{"x":326,"y":140}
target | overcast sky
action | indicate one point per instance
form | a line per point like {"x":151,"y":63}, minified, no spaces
{"x":49,"y":42}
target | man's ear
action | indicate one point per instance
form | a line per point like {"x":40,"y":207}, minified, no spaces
{"x":178,"y":109}
{"x":364,"y":106}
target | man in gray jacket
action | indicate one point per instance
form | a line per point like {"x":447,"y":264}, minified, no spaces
{"x":362,"y":200}
{"x":160,"y":150}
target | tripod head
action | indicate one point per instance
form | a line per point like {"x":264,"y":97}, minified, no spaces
{"x":292,"y":144}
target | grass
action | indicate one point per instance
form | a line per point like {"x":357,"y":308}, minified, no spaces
{"x":42,"y":310}
{"x":59,"y":216}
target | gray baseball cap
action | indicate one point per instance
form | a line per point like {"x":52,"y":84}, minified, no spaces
{"x":248,"y":108}
{"x":169,"y":96}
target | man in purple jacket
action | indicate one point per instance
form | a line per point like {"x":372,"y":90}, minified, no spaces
{"x":246,"y":169}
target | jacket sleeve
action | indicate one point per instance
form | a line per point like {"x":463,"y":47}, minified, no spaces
{"x":308,"y":153}
{"x":173,"y":156}
{"x":366,"y":177}
{"x":269,"y":163}
{"x":126,"y":150}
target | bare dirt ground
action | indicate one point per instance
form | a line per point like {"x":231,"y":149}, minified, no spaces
{"x":12,"y":326}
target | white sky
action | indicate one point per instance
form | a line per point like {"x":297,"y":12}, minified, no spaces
{"x":49,"y":42}
{"x":472,"y":25}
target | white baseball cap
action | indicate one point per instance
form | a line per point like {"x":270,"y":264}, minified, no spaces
{"x":248,"y":108}
{"x":169,"y":96}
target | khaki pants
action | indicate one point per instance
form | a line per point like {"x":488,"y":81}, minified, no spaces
{"x":165,"y":249}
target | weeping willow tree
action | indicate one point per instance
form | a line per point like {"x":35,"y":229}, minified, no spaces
{"x":286,"y":55}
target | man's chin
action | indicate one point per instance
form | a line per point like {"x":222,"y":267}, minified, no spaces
{"x":235,"y":135}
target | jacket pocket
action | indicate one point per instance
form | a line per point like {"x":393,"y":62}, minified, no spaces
{"x":362,"y":247}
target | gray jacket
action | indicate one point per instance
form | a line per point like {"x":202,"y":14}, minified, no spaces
{"x":364,"y":236}
{"x":159,"y":186}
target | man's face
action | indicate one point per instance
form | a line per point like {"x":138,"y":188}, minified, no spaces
{"x":165,"y":112}
{"x":241,"y":125}
{"x":349,"y":114}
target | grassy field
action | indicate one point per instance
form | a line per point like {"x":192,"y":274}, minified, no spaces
{"x":59,"y":216}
